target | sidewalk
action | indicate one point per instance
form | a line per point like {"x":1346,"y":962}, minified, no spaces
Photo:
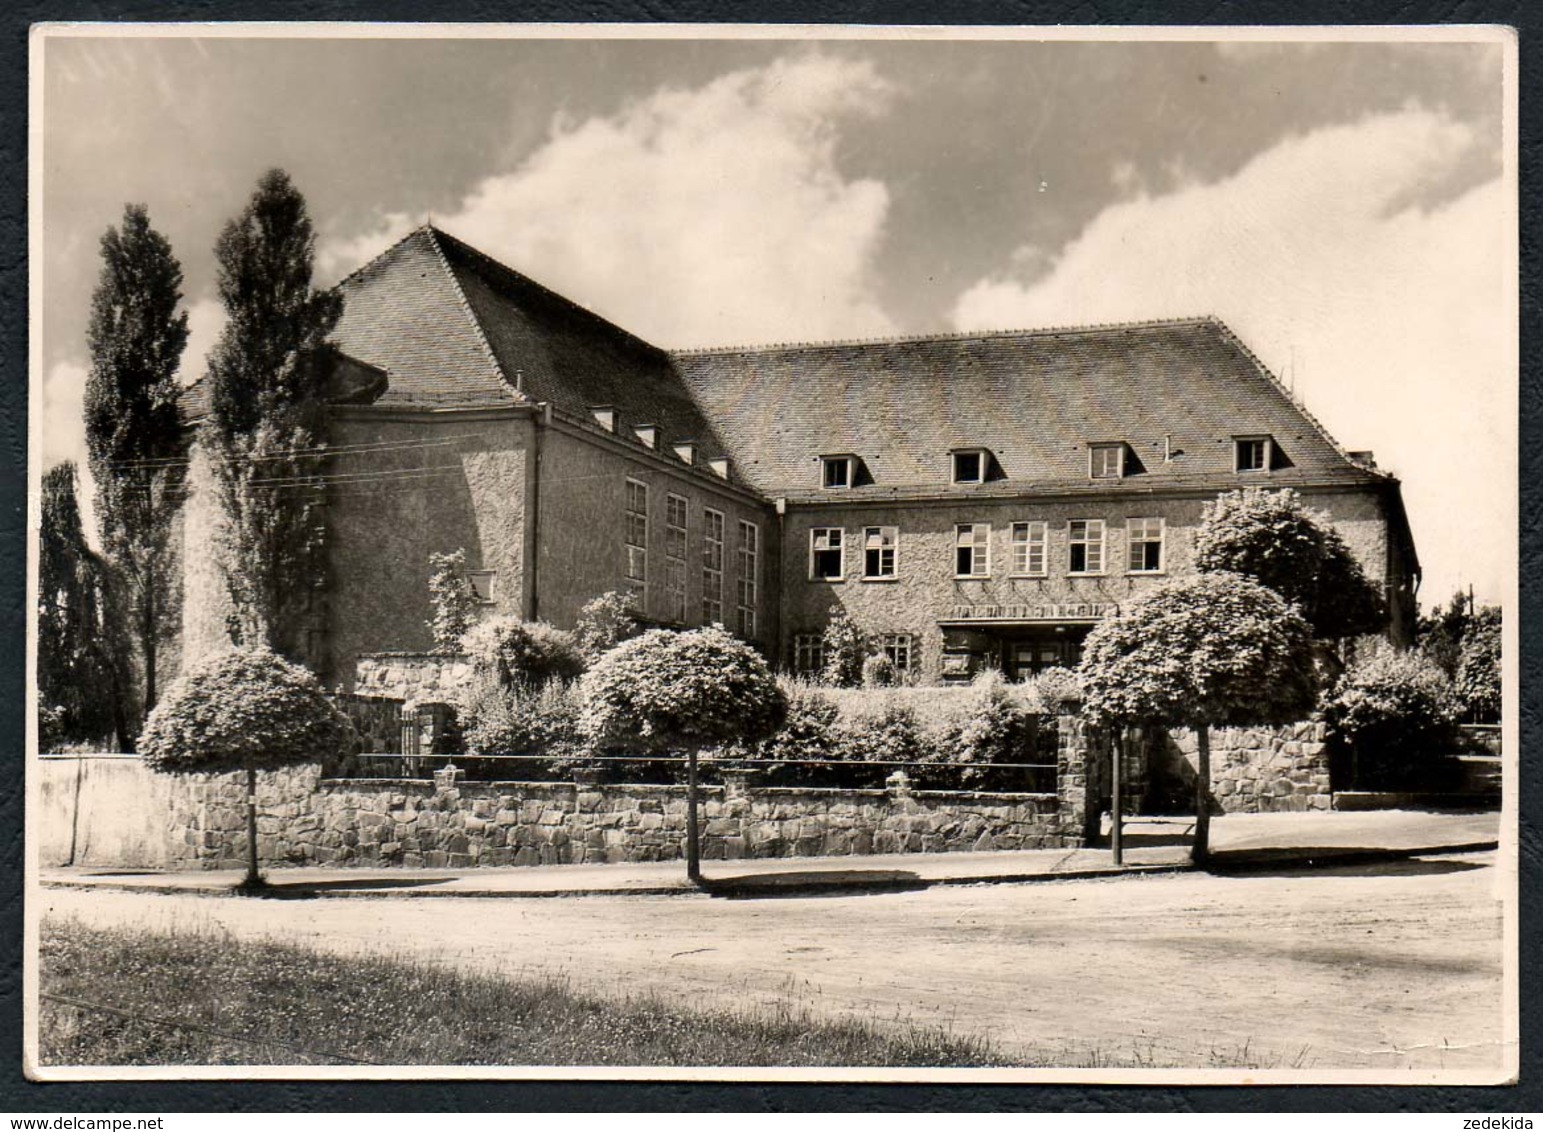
{"x":1239,"y":842}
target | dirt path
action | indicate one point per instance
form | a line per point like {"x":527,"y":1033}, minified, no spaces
{"x":1392,"y":967}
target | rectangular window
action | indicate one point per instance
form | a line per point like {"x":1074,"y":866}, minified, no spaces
{"x":637,"y":540}
{"x":809,"y":653}
{"x":1145,"y":540}
{"x":1086,"y":544}
{"x":827,"y":554}
{"x":970,"y":466}
{"x":900,"y":648}
{"x":879,"y":546}
{"x":1252,"y":453}
{"x":749,"y":570}
{"x":482,"y":585}
{"x":1108,"y":461}
{"x":712,"y":567}
{"x":675,"y":589}
{"x":972,"y":550}
{"x":836,"y":471}
{"x":1029,"y":549}
{"x":674,"y":526}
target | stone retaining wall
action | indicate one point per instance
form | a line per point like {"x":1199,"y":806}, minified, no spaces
{"x":1256,"y":770}
{"x":416,"y":676}
{"x":304,"y":819}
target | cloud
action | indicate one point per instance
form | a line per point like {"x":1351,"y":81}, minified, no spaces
{"x":206,"y":318}
{"x":695,"y":217}
{"x":1391,"y":319}
{"x":63,"y":399}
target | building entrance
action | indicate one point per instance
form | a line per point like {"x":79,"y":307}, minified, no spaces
{"x":1029,"y":656}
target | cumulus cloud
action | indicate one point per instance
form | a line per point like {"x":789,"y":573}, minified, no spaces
{"x":206,"y":318}
{"x":1391,"y":317}
{"x":695,"y":217}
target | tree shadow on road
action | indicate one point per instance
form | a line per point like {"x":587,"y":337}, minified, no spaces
{"x":813,"y":882}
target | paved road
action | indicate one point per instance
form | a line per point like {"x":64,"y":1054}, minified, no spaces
{"x":1384,"y":967}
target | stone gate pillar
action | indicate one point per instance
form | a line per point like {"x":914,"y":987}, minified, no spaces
{"x":1076,"y":776}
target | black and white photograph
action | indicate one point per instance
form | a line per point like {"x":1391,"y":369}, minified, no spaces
{"x":772,"y":553}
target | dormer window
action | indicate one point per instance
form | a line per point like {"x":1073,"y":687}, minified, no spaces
{"x":719,"y":466}
{"x":1252,"y":453}
{"x":648,"y":434}
{"x":838,"y":471}
{"x":605,"y":417}
{"x":969,"y":465}
{"x":1106,"y":461}
{"x":685,"y":452}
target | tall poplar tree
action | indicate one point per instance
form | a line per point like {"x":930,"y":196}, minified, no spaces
{"x":81,"y":681}
{"x":135,"y":438}
{"x":266,"y":378}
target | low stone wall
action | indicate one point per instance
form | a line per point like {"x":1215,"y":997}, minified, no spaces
{"x":303,"y":819}
{"x":419,"y":676}
{"x":1257,"y":770}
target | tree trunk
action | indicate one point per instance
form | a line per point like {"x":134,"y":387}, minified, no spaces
{"x":149,"y":643}
{"x":1117,"y":757}
{"x":1202,"y":847}
{"x":253,"y":878}
{"x":693,"y":846}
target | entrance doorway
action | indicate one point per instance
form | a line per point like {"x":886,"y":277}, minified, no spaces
{"x":1032,"y":655}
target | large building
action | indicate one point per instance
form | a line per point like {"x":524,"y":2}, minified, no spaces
{"x":969,"y":500}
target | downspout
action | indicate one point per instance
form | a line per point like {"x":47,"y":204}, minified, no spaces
{"x":782,"y":588}
{"x":539,"y":423}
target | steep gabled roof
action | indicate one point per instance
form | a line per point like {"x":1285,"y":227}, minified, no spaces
{"x":1035,"y":399}
{"x":556,"y":351}
{"x":405,"y":312}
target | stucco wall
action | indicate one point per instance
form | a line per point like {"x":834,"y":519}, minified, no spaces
{"x":380,"y":534}
{"x":583,"y":530}
{"x":110,"y":810}
{"x":925,"y":589}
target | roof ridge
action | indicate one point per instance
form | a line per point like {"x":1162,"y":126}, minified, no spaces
{"x":434,"y":235}
{"x":944,"y":336}
{"x":382,"y":254}
{"x":499,"y":265}
{"x":1280,"y":387}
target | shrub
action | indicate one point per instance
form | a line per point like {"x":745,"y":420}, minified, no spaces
{"x":525,"y":719}
{"x":889,"y":732}
{"x":1271,"y":537}
{"x":879,"y":671}
{"x":1477,"y":685}
{"x":666,"y":690}
{"x":1394,"y":713}
{"x":453,"y":601}
{"x":510,"y":651}
{"x":1048,"y":689}
{"x":605,"y":622}
{"x":243,"y":709}
{"x":844,"y":650}
{"x":809,"y":732}
{"x":991,"y":725}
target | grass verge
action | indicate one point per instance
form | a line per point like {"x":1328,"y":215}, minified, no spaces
{"x":140,"y":998}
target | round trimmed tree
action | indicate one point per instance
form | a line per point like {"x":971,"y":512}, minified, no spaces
{"x":667,"y":691}
{"x":1271,"y":537}
{"x":243,"y":710}
{"x":1210,"y":650}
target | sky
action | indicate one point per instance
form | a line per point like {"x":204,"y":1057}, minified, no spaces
{"x":1346,"y":207}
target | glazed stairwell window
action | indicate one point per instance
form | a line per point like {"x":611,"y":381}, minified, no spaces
{"x":712,"y":567}
{"x":637,"y":541}
{"x":749,"y":577}
{"x":827,"y":554}
{"x":880,"y":546}
{"x":1085,"y":546}
{"x":972,"y":550}
{"x":675,"y":557}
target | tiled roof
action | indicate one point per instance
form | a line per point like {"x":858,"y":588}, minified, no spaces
{"x":556,"y":351}
{"x":1035,"y":399}
{"x":405,"y":313}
